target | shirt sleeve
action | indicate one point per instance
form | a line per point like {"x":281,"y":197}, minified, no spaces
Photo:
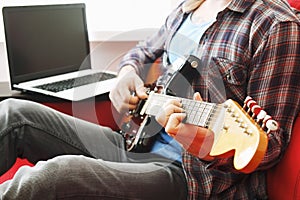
{"x":274,"y":83}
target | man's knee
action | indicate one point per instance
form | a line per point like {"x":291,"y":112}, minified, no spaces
{"x":16,"y":106}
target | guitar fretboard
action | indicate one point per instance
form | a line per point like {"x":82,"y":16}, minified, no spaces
{"x":198,"y":113}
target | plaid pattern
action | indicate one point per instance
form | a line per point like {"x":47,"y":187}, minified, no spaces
{"x":252,"y":49}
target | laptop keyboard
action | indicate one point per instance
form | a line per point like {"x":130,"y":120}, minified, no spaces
{"x":75,"y":82}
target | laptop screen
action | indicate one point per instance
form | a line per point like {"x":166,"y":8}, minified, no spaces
{"x":45,"y":40}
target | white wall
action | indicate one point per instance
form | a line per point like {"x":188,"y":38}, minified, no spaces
{"x":111,"y":16}
{"x":114,"y":27}
{"x":4,"y":74}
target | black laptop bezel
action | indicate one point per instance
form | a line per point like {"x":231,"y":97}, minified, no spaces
{"x":16,"y":79}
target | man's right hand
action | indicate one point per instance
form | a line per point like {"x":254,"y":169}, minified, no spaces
{"x":128,"y":90}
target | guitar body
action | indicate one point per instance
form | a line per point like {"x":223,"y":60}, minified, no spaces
{"x":140,"y":133}
{"x":138,"y":130}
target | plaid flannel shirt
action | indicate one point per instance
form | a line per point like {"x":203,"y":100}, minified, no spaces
{"x":252,"y":49}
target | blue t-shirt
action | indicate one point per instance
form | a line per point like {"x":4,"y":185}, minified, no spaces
{"x":185,"y":42}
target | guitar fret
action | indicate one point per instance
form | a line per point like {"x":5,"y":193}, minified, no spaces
{"x":198,"y":113}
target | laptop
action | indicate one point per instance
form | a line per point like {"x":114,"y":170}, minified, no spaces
{"x":48,"y":52}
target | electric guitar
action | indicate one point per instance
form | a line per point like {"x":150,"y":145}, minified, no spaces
{"x":236,"y":133}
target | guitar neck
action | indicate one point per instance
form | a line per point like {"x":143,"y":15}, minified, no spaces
{"x":198,"y":113}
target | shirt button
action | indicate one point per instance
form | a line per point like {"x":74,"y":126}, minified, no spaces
{"x":228,"y":77}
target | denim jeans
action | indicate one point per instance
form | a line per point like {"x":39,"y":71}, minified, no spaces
{"x":75,"y":159}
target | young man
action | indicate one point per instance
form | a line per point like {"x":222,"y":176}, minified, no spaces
{"x":246,"y":48}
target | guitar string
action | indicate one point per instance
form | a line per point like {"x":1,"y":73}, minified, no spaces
{"x":198,"y":113}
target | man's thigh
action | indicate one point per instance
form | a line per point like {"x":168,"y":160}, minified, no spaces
{"x":79,"y":177}
{"x":37,"y":132}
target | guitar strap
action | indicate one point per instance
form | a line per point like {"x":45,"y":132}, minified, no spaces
{"x":181,"y":84}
